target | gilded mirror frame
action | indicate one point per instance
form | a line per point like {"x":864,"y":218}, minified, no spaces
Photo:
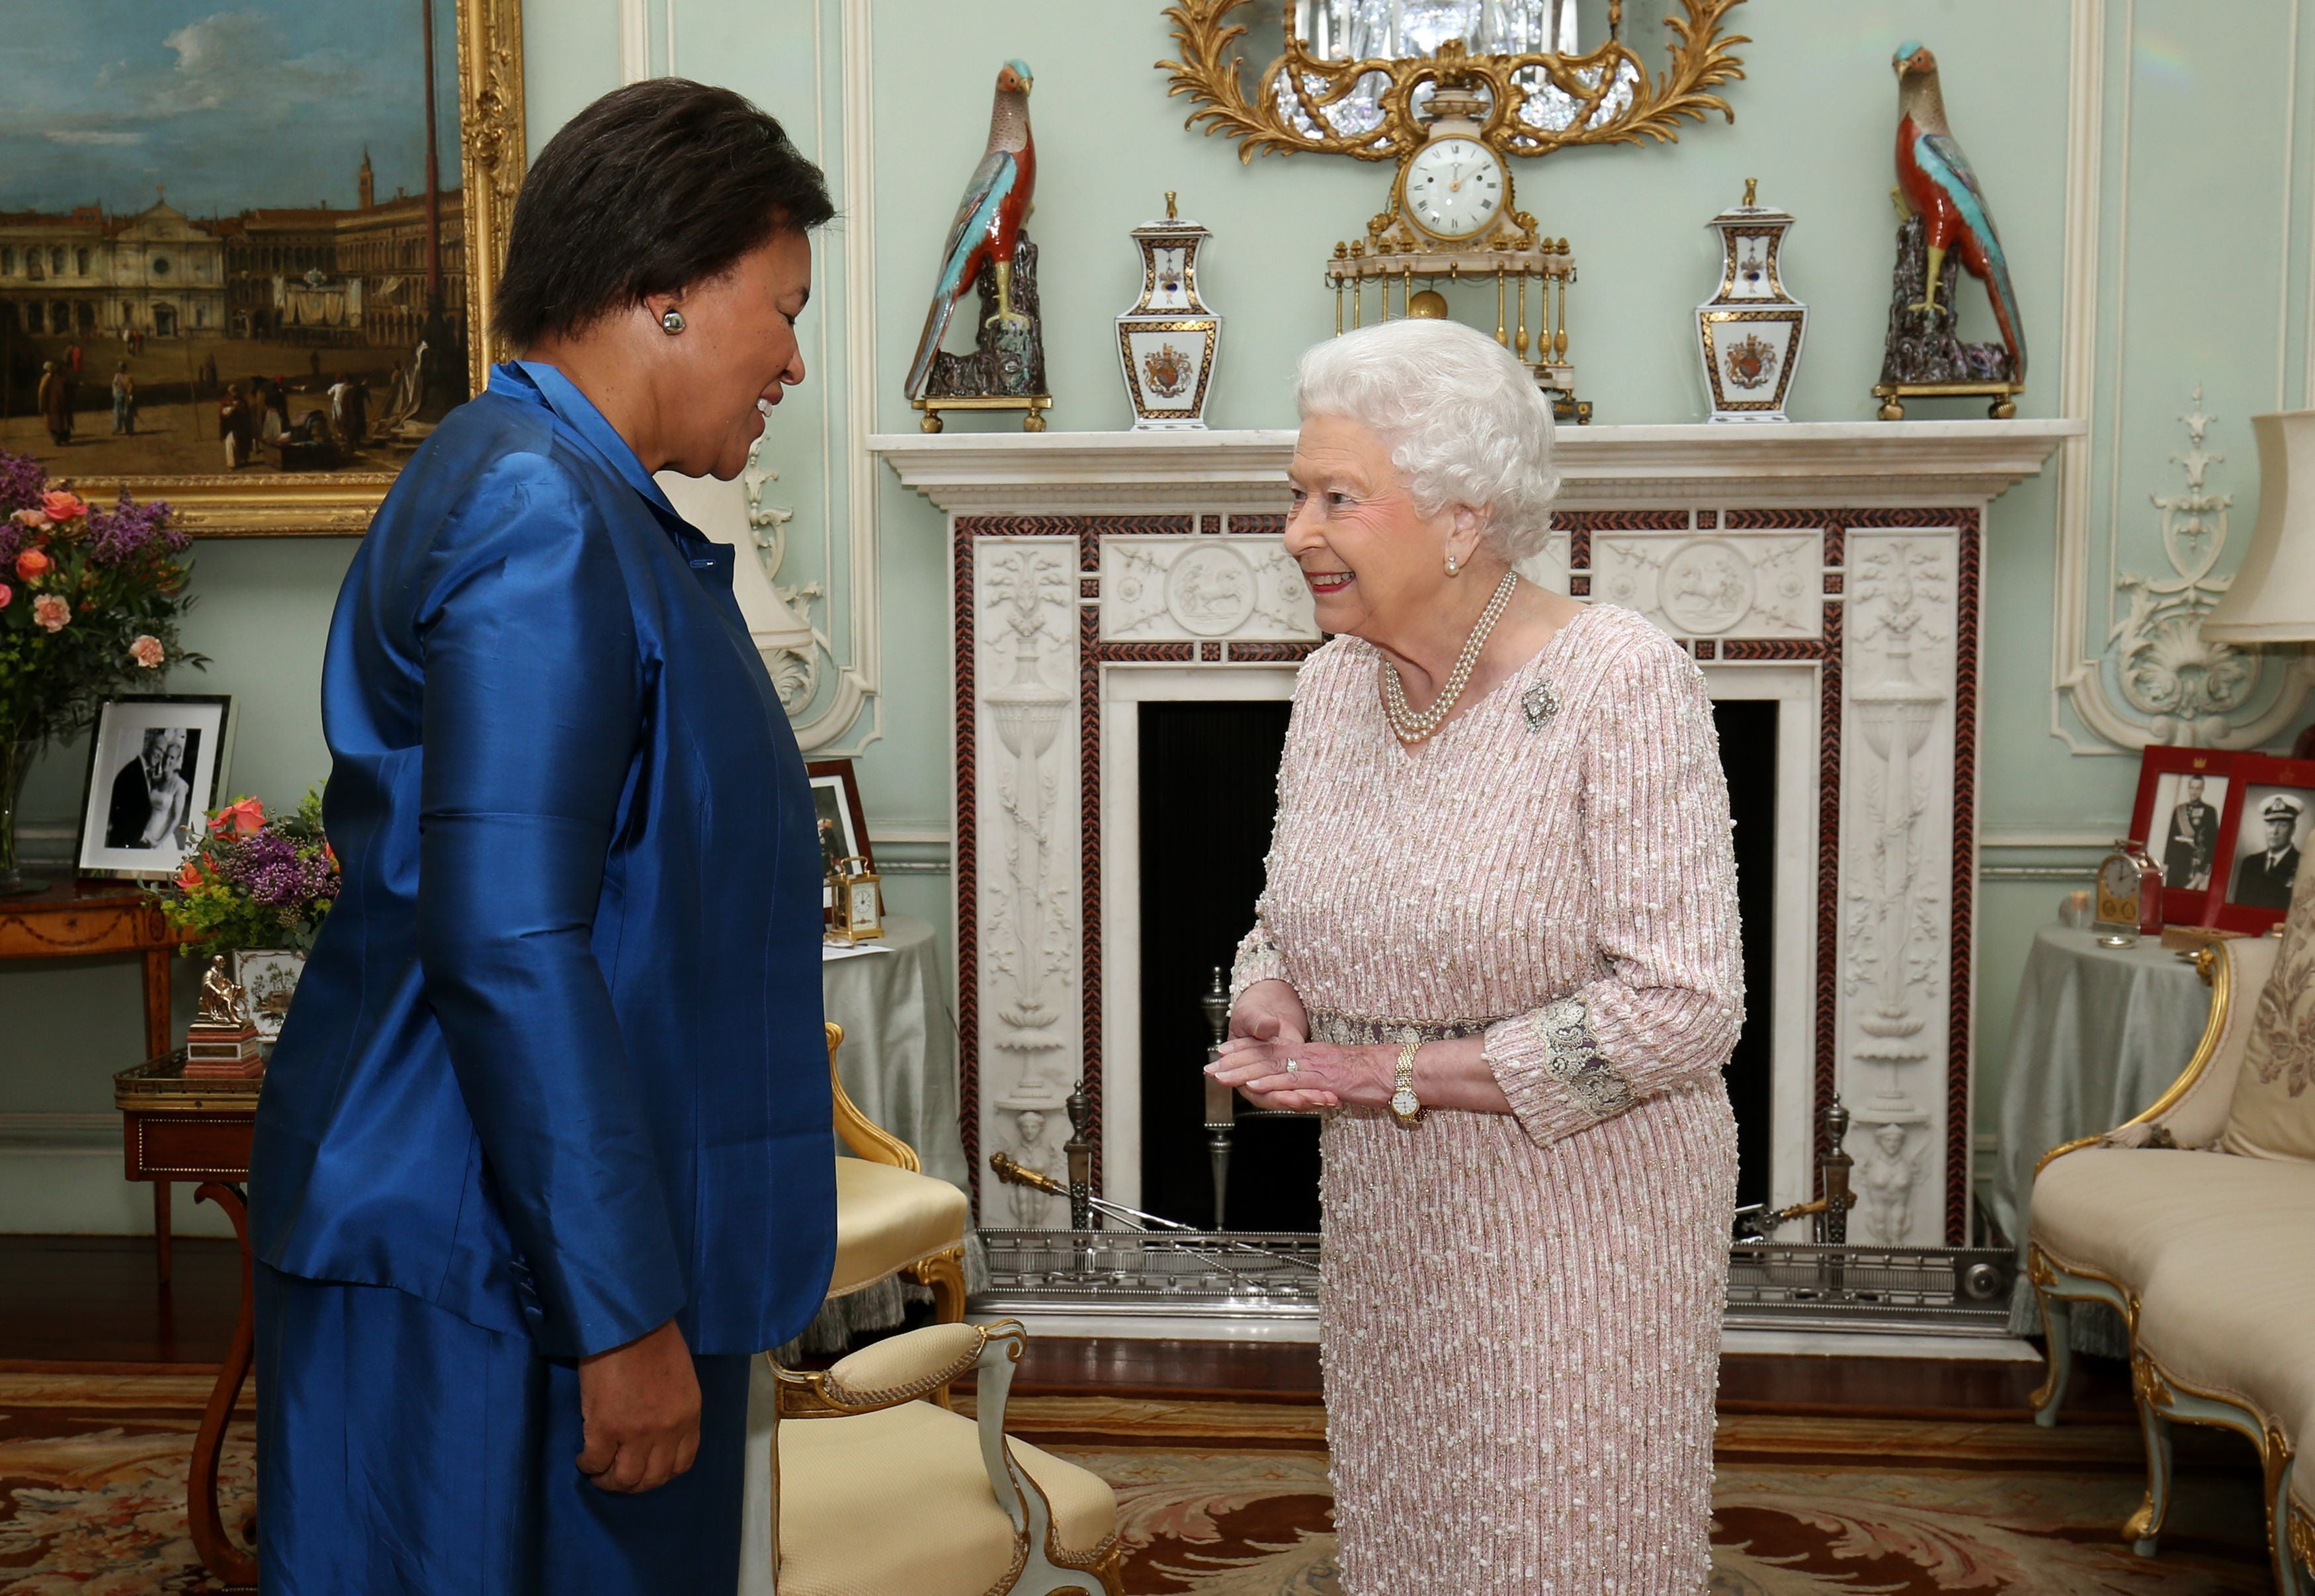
{"x":1702,"y":58}
{"x":492,"y":162}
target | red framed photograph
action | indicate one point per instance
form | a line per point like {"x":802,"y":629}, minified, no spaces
{"x":2269,"y":822}
{"x":2182,"y":802}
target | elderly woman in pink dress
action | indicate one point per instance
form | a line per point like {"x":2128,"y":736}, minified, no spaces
{"x":1498,"y":949}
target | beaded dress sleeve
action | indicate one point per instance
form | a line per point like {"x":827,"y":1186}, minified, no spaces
{"x":1663,"y":1014}
{"x":1258,"y":957}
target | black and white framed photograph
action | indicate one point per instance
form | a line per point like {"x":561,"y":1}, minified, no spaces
{"x":2182,"y":799}
{"x":2270,"y":824}
{"x":156,"y":764}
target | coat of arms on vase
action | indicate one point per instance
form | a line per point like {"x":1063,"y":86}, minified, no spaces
{"x":1167,"y":341}
{"x":1749,"y":332}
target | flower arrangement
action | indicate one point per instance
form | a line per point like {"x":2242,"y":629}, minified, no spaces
{"x":90,"y":599}
{"x":254,"y":880}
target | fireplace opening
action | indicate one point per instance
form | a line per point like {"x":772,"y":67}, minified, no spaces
{"x":1207,"y":795}
{"x":1748,"y":754}
{"x":1209,"y":786}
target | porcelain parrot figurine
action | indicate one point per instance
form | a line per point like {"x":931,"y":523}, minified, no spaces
{"x":988,"y":223}
{"x":1934,"y":181}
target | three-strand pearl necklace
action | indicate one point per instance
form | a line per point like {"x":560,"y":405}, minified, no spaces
{"x":1410,"y":727}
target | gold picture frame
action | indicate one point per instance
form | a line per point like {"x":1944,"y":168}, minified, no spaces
{"x":492,"y":161}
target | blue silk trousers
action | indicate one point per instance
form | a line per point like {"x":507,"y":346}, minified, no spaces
{"x":406,"y":1452}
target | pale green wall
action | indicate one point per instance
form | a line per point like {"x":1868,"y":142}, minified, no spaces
{"x":2204,"y":272}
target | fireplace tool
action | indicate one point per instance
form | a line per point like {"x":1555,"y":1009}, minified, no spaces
{"x":1758,"y":1221}
{"x":1135,"y":1219}
{"x":1221,"y":1101}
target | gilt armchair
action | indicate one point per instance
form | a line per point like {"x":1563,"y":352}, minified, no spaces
{"x":892,"y":1219}
{"x":858,"y":1483}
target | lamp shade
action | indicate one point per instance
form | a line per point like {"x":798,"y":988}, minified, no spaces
{"x":2273,"y":596}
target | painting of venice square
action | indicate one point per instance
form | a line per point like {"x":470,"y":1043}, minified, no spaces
{"x":230,"y":234}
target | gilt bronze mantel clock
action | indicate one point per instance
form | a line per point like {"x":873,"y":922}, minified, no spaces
{"x":1449,"y":92}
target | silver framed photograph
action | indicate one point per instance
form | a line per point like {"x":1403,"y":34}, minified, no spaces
{"x":156,"y":764}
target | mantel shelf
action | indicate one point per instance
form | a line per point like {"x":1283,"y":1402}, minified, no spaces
{"x":1831,"y":464}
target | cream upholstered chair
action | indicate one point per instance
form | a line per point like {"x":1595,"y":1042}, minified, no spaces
{"x":858,"y":1485}
{"x":2204,"y":1243}
{"x":890,"y":1218}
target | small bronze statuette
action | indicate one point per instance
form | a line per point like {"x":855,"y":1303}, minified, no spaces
{"x":221,"y":1043}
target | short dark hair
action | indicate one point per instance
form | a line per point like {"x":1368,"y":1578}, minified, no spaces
{"x":652,"y":188}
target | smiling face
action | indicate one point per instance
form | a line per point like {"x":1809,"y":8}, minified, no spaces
{"x":737,"y":346}
{"x":1374,"y":562}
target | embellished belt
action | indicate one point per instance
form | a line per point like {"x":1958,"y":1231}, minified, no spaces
{"x":1342,"y":1030}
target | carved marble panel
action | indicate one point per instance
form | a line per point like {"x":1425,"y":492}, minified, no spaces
{"x":1897,"y":874}
{"x":1029,"y":906}
{"x":1164,"y":589}
{"x":1716,"y":584}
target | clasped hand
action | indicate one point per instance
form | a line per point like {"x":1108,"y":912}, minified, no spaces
{"x":1268,"y":1029}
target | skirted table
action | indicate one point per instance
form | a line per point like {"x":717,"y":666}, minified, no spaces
{"x":2099,"y":1034}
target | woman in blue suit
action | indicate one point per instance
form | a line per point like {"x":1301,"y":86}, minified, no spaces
{"x":545,"y":1154}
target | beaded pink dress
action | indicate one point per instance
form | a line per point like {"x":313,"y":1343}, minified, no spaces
{"x":1522,"y":1311}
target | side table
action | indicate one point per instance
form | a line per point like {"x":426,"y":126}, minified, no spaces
{"x":172,"y":1129}
{"x":79,"y":919}
{"x":2098,"y":1034}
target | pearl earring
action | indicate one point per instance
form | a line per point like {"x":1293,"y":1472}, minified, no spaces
{"x":671,"y":322}
{"x":1452,"y":569}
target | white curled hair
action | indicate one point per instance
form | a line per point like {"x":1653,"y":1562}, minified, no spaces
{"x":1462,"y":418}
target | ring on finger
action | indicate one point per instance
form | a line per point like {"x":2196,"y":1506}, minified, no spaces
{"x":1293,"y":1065}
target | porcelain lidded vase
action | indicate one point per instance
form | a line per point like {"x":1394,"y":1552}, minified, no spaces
{"x":1749,"y":332}
{"x":1167,"y":341}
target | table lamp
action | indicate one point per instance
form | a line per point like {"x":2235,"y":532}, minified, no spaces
{"x":2273,"y":596}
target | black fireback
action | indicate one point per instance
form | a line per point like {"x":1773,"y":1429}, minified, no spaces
{"x":1209,"y":792}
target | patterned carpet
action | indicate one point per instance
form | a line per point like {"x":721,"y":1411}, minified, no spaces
{"x":1230,"y":1499}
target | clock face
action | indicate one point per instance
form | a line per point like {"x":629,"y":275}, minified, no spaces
{"x":863,"y":903}
{"x":1453,"y":187}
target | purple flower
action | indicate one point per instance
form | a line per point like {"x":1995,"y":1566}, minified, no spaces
{"x":274,"y":871}
{"x":128,"y":530}
{"x":23,"y":482}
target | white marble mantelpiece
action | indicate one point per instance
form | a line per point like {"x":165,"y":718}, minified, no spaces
{"x":1863,"y":463}
{"x":1834,"y":568}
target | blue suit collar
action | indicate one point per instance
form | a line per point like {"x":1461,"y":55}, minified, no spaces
{"x":547,"y":386}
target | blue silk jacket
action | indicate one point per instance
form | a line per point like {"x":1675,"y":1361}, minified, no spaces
{"x":556,"y":1064}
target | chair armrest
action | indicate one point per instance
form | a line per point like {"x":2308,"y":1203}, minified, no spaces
{"x":2192,"y":1110}
{"x":863,"y":1135}
{"x":897,"y":1369}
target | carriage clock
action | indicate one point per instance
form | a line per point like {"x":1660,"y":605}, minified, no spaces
{"x":2129,"y":896}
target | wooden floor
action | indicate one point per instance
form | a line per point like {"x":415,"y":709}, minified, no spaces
{"x":95,"y":1300}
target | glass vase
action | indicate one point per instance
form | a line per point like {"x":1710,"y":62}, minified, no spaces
{"x":15,"y":765}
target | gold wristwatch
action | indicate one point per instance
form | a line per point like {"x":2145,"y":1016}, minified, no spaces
{"x":1405,"y":1105}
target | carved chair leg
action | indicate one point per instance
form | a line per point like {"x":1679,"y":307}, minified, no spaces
{"x":2279,"y":1548}
{"x":944,"y":1274}
{"x":2144,"y":1528}
{"x":2057,"y":1336}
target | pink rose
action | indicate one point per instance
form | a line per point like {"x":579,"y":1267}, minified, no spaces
{"x":33,"y":564}
{"x":7,"y":595}
{"x":245,"y":817}
{"x":61,"y":506}
{"x":51,"y":612}
{"x":146,"y":652}
{"x":190,"y":877}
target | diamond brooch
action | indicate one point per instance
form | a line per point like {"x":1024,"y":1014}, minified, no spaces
{"x":1539,"y":704}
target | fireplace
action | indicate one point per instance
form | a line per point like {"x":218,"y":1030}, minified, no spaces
{"x":1111,"y":588}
